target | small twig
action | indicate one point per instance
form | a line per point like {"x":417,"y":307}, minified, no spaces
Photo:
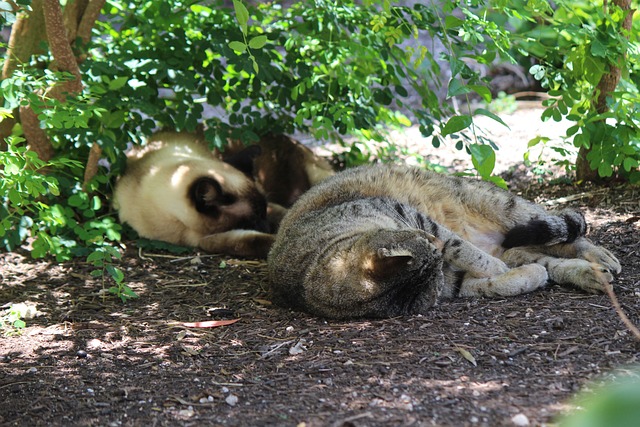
{"x":353,"y":418}
{"x":567,"y":199}
{"x":276,"y":348}
{"x":187,"y":285}
{"x":227,"y":384}
{"x":189,"y":403}
{"x":621,"y":314}
{"x":616,"y":304}
{"x":14,"y":383}
{"x":141,"y":256}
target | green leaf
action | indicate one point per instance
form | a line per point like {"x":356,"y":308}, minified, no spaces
{"x":11,"y":169}
{"x":206,"y":11}
{"x":456,"y":66}
{"x":400,"y":90}
{"x":452,"y":22}
{"x":118,"y":83}
{"x":257,"y":42}
{"x":238,"y":46}
{"x":483,"y":91}
{"x":96,"y":203}
{"x":457,"y":87}
{"x":483,"y":158}
{"x":242,"y":15}
{"x":491,"y":115}
{"x":605,"y":170}
{"x":598,"y":49}
{"x":76,"y":200}
{"x":499,"y":181}
{"x":629,"y":163}
{"x":573,"y":130}
{"x":535,"y":141}
{"x":116,"y":274}
{"x":95,"y":256}
{"x":456,"y":124}
{"x":15,"y":197}
{"x":538,"y":72}
{"x":129,"y":292}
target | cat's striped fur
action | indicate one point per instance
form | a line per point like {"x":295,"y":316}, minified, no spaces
{"x":379,"y":241}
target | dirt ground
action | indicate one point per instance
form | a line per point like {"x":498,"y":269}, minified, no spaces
{"x":86,"y":359}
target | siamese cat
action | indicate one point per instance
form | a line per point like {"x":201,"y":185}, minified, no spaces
{"x":384,"y":240}
{"x":176,"y":190}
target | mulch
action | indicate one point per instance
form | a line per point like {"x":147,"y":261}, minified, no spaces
{"x":89,"y":359}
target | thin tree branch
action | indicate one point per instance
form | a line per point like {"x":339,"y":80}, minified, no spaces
{"x":61,"y":49}
{"x":89,"y":18}
{"x":91,"y":168}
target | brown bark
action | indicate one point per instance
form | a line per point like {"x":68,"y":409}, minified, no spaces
{"x":606,"y":85}
{"x":36,"y":137}
{"x":89,"y":18}
{"x":87,"y":21}
{"x":71,"y":16}
{"x":26,"y":35}
{"x":64,"y":60}
{"x":91,"y":168}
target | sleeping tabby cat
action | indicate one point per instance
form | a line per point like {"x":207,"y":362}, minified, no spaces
{"x":383,"y":240}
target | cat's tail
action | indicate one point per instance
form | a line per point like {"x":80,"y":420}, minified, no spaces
{"x":564,"y":227}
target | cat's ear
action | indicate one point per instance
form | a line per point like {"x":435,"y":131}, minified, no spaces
{"x":243,"y":159}
{"x":390,"y":262}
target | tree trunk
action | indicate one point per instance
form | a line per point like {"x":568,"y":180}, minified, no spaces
{"x":64,"y":60}
{"x":606,"y":85}
{"x":47,"y":21}
{"x":26,"y":34}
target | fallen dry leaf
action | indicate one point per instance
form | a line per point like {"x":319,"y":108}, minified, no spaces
{"x":210,"y":323}
{"x":467,"y":355}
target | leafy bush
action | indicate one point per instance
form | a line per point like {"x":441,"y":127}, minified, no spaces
{"x":330,"y":69}
{"x":575,"y":48}
{"x":616,"y":404}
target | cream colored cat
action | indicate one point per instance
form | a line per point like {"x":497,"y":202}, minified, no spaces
{"x":176,"y":190}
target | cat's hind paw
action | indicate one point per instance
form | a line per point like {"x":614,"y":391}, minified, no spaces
{"x":603,"y":257}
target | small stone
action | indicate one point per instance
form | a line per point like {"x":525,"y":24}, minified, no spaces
{"x":520,"y":420}
{"x":81,"y":354}
{"x":299,"y":348}
{"x":232,"y":400}
{"x":405,"y":403}
{"x":186,"y":413}
{"x":377,"y":402}
{"x":225,"y":390}
{"x":32,"y":370}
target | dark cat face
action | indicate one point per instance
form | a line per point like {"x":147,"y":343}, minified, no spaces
{"x":223,"y":210}
{"x":407,"y":269}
